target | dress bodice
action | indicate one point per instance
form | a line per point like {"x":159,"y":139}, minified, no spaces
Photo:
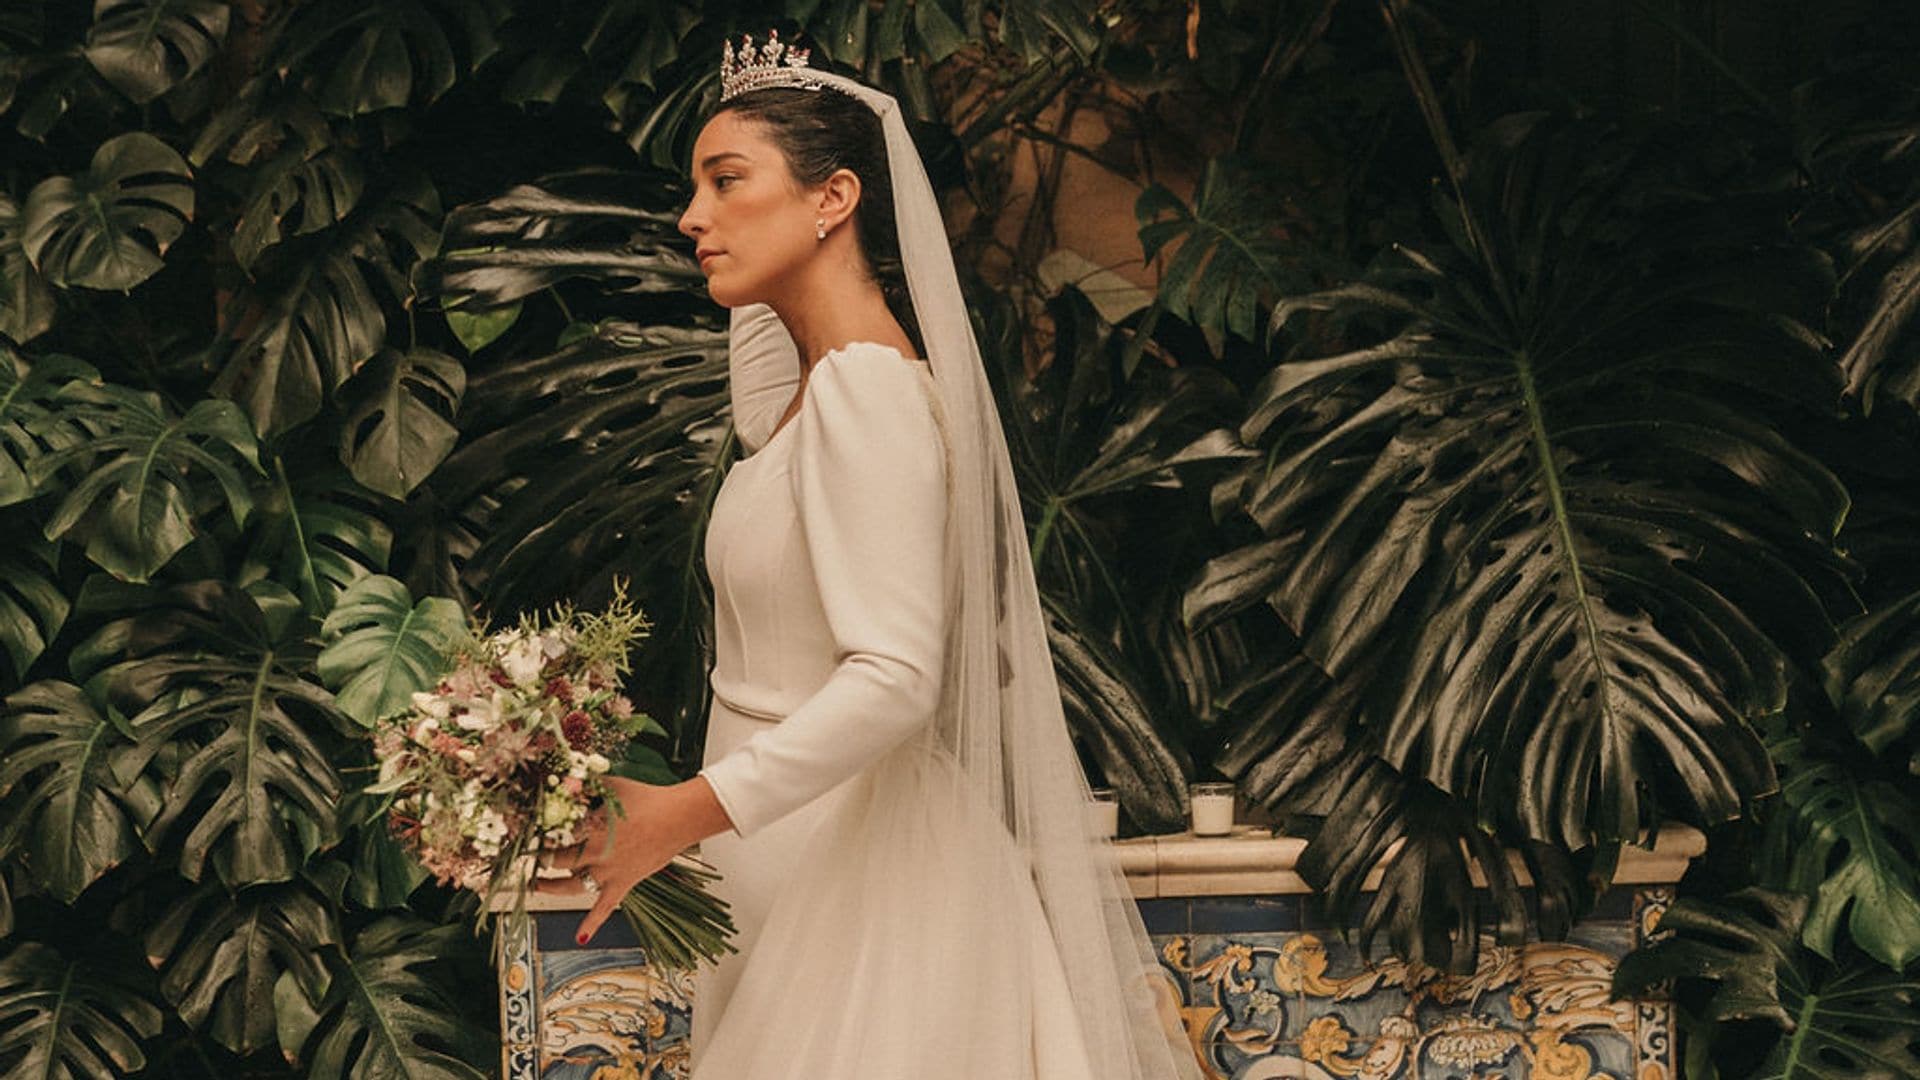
{"x":825,"y":551}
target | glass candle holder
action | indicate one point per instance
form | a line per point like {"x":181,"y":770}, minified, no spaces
{"x":1105,"y":813}
{"x":1210,"y":808}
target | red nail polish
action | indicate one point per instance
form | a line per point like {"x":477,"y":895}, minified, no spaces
{"x":581,"y":937}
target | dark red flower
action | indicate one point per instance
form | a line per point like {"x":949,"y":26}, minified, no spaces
{"x":559,"y":687}
{"x":578,"y":728}
{"x":500,"y":678}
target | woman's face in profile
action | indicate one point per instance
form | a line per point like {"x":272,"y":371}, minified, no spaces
{"x":751,"y":224}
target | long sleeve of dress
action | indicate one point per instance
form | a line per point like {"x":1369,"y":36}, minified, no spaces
{"x":869,"y":478}
{"x":763,"y":371}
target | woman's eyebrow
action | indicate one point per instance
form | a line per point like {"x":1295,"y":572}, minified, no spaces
{"x":711,"y":160}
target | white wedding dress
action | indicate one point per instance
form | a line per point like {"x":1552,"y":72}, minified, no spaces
{"x":888,"y":928}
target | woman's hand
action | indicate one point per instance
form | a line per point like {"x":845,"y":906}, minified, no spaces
{"x":628,"y":844}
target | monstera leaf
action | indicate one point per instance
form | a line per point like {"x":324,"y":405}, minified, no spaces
{"x":108,"y":227}
{"x":1232,"y":259}
{"x":1545,"y":513}
{"x":387,"y":646}
{"x":398,"y":427}
{"x":220,"y":956}
{"x":575,"y":225}
{"x":1147,"y":769}
{"x":1835,"y":1023}
{"x":32,"y":419}
{"x":1873,"y":678}
{"x":1844,"y":836}
{"x":70,"y":1018}
{"x":146,"y":47}
{"x":1084,"y":437}
{"x":26,"y":300}
{"x":135,"y":500}
{"x":602,"y":460}
{"x":316,"y":530}
{"x":218,"y":671}
{"x":382,"y":1009}
{"x":301,"y":190}
{"x":318,"y":316}
{"x":33,"y":606}
{"x":363,"y":57}
{"x":68,"y":778}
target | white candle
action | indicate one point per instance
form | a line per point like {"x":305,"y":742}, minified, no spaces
{"x":1104,"y":813}
{"x":1211,"y":809}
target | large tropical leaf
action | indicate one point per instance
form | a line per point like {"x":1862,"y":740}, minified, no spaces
{"x":75,"y":802}
{"x":220,"y":955}
{"x":575,"y":225}
{"x":591,"y":50}
{"x":109,"y":227}
{"x":137,"y":497}
{"x":26,"y":300}
{"x":360,"y":57}
{"x":1145,"y":766}
{"x":1085,"y":438}
{"x":315,"y":316}
{"x":33,"y":605}
{"x":146,"y":47}
{"x":386,"y":647}
{"x":32,"y":419}
{"x":219,"y":675}
{"x":602,"y":460}
{"x":399,"y":426}
{"x":1844,"y":835}
{"x":70,"y":1018}
{"x":384,"y":1008}
{"x":1857,"y":1022}
{"x":1858,"y":135}
{"x":1873,"y":678}
{"x":1549,"y":515}
{"x":1232,"y":257}
{"x":303,"y":189}
{"x":317,"y":531}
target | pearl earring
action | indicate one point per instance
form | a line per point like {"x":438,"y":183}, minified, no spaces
{"x":820,"y":229}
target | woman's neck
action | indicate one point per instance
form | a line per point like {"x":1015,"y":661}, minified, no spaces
{"x":826,"y":314}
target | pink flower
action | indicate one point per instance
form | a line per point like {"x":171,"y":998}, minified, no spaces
{"x":572,"y":785}
{"x":559,"y":688}
{"x":619,"y":706}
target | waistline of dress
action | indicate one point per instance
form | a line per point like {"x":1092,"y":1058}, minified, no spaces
{"x":742,"y":710}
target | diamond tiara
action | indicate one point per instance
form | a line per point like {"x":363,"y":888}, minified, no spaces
{"x":772,"y":64}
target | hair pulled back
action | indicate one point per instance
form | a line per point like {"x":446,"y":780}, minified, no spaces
{"x":819,"y":132}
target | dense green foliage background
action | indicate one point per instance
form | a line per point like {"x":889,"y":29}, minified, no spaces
{"x":1500,"y":463}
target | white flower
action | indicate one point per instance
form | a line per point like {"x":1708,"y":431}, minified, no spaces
{"x":432,"y":704}
{"x":523,"y":661}
{"x":424,"y":729}
{"x":466,"y":754}
{"x":597,"y":764}
{"x":483,"y":714}
{"x":557,"y":641}
{"x":558,"y":810}
{"x":576,"y":765}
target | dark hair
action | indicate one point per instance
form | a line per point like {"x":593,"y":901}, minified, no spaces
{"x":819,"y":132}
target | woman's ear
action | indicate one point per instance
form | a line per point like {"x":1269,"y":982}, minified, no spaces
{"x":839,"y":197}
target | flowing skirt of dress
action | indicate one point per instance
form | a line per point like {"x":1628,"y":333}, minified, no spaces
{"x":888,"y":930}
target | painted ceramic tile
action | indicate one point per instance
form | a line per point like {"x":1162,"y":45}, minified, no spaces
{"x":1263,"y":996}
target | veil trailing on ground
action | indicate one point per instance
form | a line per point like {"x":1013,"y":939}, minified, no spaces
{"x":1000,"y":714}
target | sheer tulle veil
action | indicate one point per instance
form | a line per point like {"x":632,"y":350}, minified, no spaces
{"x":1000,"y":715}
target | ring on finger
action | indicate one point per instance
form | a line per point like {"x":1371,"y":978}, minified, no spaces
{"x":593,"y":883}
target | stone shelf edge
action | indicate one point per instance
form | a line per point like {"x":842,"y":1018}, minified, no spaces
{"x":1253,"y":861}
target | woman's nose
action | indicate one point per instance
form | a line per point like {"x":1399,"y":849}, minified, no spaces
{"x":691,"y":225}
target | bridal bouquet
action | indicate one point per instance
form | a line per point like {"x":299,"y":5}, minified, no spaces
{"x":506,"y":758}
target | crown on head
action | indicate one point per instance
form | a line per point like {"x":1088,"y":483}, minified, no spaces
{"x":772,"y":64}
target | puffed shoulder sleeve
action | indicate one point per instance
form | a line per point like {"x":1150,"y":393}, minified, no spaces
{"x":763,"y":371}
{"x":869,"y":476}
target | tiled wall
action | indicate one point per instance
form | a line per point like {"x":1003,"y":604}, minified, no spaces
{"x":1266,"y":990}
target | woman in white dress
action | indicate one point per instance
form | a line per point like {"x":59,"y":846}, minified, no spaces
{"x":888,"y":786}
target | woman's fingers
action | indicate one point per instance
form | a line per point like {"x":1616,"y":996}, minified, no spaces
{"x":609,"y":899}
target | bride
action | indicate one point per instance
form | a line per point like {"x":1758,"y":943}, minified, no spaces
{"x":888,"y":784}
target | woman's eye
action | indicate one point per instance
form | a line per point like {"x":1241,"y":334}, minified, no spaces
{"x":721,"y":182}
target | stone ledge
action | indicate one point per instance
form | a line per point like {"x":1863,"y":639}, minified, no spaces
{"x":1253,"y":861}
